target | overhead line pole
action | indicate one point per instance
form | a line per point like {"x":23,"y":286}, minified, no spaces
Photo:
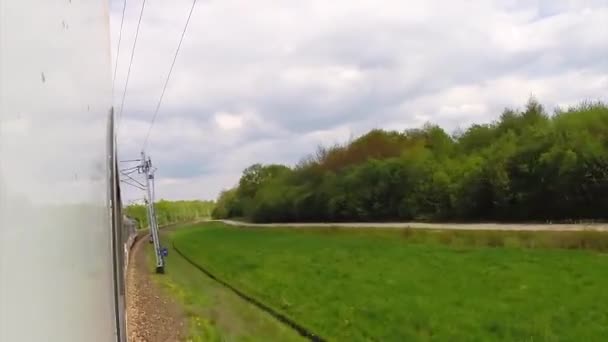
{"x":146,"y":169}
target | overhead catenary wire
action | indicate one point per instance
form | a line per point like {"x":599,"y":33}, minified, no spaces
{"x":124,"y":94}
{"x":133,"y":179}
{"x":126,"y":173}
{"x":130,"y":170}
{"x":162,"y":95}
{"x":131,"y":184}
{"x":145,"y":165}
{"x":122,"y":21}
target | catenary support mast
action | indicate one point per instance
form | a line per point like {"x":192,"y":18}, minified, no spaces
{"x":148,"y":171}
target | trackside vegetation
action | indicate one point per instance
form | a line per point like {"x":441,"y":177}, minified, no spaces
{"x":214,"y":313}
{"x":526,"y":166}
{"x":170,"y":212}
{"x":410,"y":285}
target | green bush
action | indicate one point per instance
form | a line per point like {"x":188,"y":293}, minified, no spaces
{"x":170,"y":212}
{"x":526,"y":166}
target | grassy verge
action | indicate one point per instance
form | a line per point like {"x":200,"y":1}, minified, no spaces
{"x":409,"y":285}
{"x":215,"y":313}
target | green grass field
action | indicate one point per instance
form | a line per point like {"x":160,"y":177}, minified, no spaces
{"x":404,"y":285}
{"x":214,"y":313}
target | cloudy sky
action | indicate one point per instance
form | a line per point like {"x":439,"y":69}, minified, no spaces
{"x":269,"y":80}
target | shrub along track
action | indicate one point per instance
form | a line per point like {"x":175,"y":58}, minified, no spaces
{"x":279,"y":316}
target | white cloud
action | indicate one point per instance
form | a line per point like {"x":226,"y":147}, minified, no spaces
{"x":268,"y":81}
{"x":227,"y":121}
{"x":328,"y":78}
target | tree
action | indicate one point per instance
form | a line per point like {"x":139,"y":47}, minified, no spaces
{"x":527,"y":165}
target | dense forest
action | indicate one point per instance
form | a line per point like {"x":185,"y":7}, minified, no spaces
{"x":526,"y":166}
{"x":169,"y":212}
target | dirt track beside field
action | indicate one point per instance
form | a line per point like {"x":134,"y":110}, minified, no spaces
{"x":437,"y":226}
{"x":151,"y":315}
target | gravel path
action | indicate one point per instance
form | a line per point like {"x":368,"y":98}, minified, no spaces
{"x":437,"y":226}
{"x":151,"y":315}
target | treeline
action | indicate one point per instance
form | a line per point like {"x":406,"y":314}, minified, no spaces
{"x":169,"y":212}
{"x":526,"y":166}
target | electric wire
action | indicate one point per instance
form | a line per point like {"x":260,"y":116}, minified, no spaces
{"x":124,"y":95}
{"x":122,"y":20}
{"x":134,"y":180}
{"x":133,"y":185}
{"x":126,"y":173}
{"x":162,"y":95}
{"x":130,"y":169}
